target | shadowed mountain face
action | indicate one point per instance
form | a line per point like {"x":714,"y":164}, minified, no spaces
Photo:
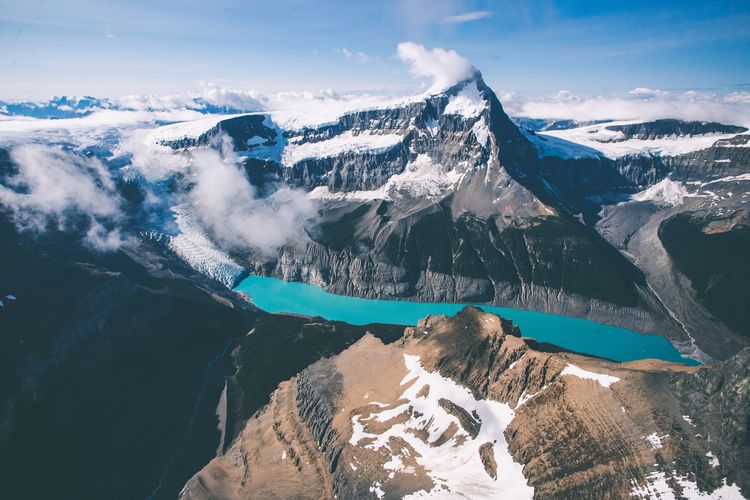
{"x":466,"y":406}
{"x":675,"y":208}
{"x":103,"y":362}
{"x":713,"y":256}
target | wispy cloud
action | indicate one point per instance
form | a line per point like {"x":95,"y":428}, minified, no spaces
{"x":56,"y":188}
{"x":356,"y":56}
{"x":467,"y":17}
{"x":228,"y":205}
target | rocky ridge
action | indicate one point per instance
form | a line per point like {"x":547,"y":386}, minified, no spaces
{"x":466,"y":405}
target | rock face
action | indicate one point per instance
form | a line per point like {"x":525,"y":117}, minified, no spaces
{"x":467,"y":406}
{"x":688,"y":233}
{"x":681,"y":218}
{"x":245,"y":131}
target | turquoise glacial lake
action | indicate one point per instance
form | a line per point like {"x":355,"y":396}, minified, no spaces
{"x":278,"y":296}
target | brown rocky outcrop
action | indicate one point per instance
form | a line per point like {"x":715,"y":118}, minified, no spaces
{"x":377,"y":421}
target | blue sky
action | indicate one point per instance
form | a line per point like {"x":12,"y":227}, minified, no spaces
{"x":147,"y":47}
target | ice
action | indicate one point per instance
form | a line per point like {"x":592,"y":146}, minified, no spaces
{"x":422,"y":178}
{"x":549,"y":146}
{"x":194,"y":247}
{"x":188,"y":129}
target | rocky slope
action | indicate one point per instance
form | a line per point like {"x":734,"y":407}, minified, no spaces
{"x":466,"y":406}
{"x":676,"y":208}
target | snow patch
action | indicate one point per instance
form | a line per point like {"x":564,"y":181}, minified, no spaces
{"x":422,"y":178}
{"x":455,"y":466}
{"x":731,"y":178}
{"x":656,"y":440}
{"x":656,"y":486}
{"x":603,"y":380}
{"x":526,"y":397}
{"x":469,"y":102}
{"x":346,"y":142}
{"x":481,"y":131}
{"x":713,"y":460}
{"x":666,"y":191}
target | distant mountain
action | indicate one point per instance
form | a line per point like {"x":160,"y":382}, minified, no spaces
{"x":57,"y":107}
{"x":76,"y":107}
{"x":542,"y":124}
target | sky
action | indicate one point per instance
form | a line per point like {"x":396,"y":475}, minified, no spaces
{"x":108,"y":48}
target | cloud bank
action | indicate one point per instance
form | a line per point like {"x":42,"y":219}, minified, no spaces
{"x":443,"y":67}
{"x":228,"y":206}
{"x":55,"y":188}
{"x":638,"y":104}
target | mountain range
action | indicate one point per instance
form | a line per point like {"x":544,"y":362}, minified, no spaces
{"x":128,"y":222}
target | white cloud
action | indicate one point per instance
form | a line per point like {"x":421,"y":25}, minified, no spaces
{"x":227,"y":205}
{"x":443,"y":67}
{"x":57,"y":188}
{"x":102,"y":239}
{"x":357,"y":56}
{"x":246,"y":100}
{"x":638,"y":104}
{"x":209,"y":94}
{"x":467,"y":16}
